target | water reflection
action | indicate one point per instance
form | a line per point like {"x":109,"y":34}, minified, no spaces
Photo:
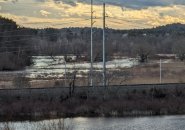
{"x":143,"y":123}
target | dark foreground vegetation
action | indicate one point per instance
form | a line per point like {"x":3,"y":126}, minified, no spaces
{"x":100,"y":102}
{"x":18,"y":44}
{"x":15,"y":52}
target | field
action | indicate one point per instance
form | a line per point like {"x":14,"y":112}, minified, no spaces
{"x":172,"y":72}
{"x":49,"y":72}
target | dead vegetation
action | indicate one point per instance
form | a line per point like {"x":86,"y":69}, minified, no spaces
{"x":147,"y":73}
{"x":115,"y":102}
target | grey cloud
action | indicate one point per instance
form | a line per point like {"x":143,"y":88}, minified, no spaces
{"x":135,"y":4}
{"x":70,"y":2}
{"x":139,"y":4}
{"x":40,"y":0}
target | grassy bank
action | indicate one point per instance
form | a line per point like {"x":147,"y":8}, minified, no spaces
{"x":108,"y":103}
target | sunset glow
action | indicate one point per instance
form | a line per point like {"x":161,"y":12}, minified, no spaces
{"x":121,"y":14}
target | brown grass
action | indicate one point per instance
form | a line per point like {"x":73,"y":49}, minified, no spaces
{"x":141,"y":74}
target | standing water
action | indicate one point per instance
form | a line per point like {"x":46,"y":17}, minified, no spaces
{"x":143,"y":123}
{"x":54,"y":67}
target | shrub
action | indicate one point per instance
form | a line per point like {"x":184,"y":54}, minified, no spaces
{"x":21,"y":82}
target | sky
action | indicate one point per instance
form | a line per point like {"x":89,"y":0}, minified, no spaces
{"x":120,"y":14}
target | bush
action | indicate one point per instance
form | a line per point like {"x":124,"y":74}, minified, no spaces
{"x":11,"y":61}
{"x":21,"y":82}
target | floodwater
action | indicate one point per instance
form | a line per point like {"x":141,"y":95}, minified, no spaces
{"x":141,"y":123}
{"x":55,"y":67}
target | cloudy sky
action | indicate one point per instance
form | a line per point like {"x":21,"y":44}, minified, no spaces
{"x":121,"y":14}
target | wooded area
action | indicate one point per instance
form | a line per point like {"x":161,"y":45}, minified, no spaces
{"x":18,"y":44}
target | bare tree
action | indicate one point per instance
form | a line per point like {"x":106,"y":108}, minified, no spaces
{"x":21,"y":82}
{"x":143,"y":51}
{"x":117,"y":77}
{"x":179,"y":49}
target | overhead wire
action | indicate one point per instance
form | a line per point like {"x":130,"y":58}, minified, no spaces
{"x":20,"y":29}
{"x":136,"y":26}
{"x":129,"y":21}
{"x":66,"y":22}
{"x":100,"y":1}
{"x":42,"y":34}
{"x":45,"y":35}
{"x":115,"y":18}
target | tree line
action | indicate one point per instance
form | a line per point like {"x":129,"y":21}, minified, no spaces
{"x":18,"y":44}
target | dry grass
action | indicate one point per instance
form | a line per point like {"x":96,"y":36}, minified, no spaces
{"x":171,"y":73}
{"x":137,"y":102}
{"x":141,"y":74}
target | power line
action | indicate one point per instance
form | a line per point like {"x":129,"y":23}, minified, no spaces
{"x":45,"y":35}
{"x":73,"y":21}
{"x":25,"y":39}
{"x":29,"y":37}
{"x":21,"y":29}
{"x":12,"y":24}
{"x":42,"y":34}
{"x":66,"y":22}
{"x":17,"y":30}
{"x":129,"y":21}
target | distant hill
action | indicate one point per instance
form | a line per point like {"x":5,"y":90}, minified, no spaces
{"x":170,"y":29}
{"x":176,"y":27}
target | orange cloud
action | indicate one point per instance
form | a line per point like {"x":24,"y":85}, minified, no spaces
{"x":64,"y":15}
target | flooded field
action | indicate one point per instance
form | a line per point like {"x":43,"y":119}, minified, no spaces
{"x":47,"y":71}
{"x":55,"y":67}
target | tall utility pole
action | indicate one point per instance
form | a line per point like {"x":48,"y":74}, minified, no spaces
{"x":104,"y":60}
{"x":91,"y":70}
{"x":160,"y":71}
